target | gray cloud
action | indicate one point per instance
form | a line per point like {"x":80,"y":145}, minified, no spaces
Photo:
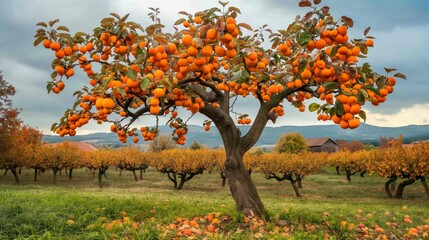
{"x":401,"y":28}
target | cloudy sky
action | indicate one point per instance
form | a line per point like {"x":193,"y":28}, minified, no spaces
{"x":401,"y":29}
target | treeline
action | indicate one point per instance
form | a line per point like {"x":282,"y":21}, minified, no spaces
{"x":396,"y":163}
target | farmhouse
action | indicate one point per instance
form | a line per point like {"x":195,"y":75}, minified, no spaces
{"x":322,"y":145}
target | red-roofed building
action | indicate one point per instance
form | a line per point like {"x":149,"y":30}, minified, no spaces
{"x":81,"y":145}
{"x":322,"y":145}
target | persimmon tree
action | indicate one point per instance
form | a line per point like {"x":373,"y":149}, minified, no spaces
{"x":290,"y":166}
{"x":181,"y":165}
{"x":204,"y":67}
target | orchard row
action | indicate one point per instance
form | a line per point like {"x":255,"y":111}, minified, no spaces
{"x":408,"y":164}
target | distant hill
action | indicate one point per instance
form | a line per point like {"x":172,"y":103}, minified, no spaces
{"x":365,"y":133}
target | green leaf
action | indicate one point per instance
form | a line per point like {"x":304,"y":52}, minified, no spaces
{"x":314,"y":107}
{"x":388,"y":70}
{"x":42,"y":24}
{"x":115,"y":15}
{"x":122,"y":91}
{"x":366,"y":31}
{"x":400,"y":75}
{"x":223,"y":3}
{"x":372,"y":89}
{"x":233,"y":9}
{"x":304,"y":38}
{"x":180,"y":21}
{"x":330,"y":85}
{"x":52,"y":23}
{"x":39,"y":40}
{"x":302,"y":65}
{"x":131,"y":74}
{"x":246,"y":26}
{"x":54,"y":126}
{"x":362,"y":115}
{"x":339,"y":109}
{"x":124,"y":18}
{"x":145,"y":83}
{"x":63,"y":28}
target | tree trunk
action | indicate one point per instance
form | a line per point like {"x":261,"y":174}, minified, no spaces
{"x":120,"y":172}
{"x":135,"y":175}
{"x":222,"y":175}
{"x":5,"y":171}
{"x":362,"y":173}
{"x":295,"y":188}
{"x":105,"y":174}
{"x":393,"y":185}
{"x":401,"y":187}
{"x":100,"y":177}
{"x":299,"y":180}
{"x":55,"y":176}
{"x":182,"y":181}
{"x":35,"y":174}
{"x":387,"y":186}
{"x":71,"y":173}
{"x":141,"y":173}
{"x":242,"y":188}
{"x":338,"y":170}
{"x":425,"y":185}
{"x":19,"y":170}
{"x":13,"y":170}
{"x":348,"y":174}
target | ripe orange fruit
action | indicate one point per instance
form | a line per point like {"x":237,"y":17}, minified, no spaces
{"x":108,"y":103}
{"x":306,"y":74}
{"x":61,"y":85}
{"x":154,"y":101}
{"x":47,"y":43}
{"x":54,"y":46}
{"x":60,"y":70}
{"x":344,"y":124}
{"x":211,"y":34}
{"x":158,"y":74}
{"x":352,"y":100}
{"x":198,"y":20}
{"x":354,"y":123}
{"x":355,"y":109}
{"x":70,"y":72}
{"x":369,"y":43}
{"x":320,"y":44}
{"x":311,"y":45}
{"x":158,"y":92}
{"x":342,"y":30}
{"x":154,"y":110}
{"x":187,"y":40}
{"x":56,"y":90}
{"x":272,"y":89}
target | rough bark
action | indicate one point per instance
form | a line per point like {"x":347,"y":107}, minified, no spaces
{"x":299,"y":180}
{"x":295,"y":188}
{"x":348,"y":174}
{"x":222,"y":175}
{"x":425,"y":185}
{"x":55,"y":175}
{"x":71,"y":173}
{"x":402,"y":186}
{"x":135,"y":175}
{"x":387,"y":186}
{"x":393,"y":186}
{"x":15,"y":174}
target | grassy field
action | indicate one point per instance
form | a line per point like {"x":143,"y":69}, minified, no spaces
{"x":330,"y":208}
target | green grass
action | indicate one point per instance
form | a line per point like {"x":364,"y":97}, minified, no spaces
{"x":40,"y":210}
